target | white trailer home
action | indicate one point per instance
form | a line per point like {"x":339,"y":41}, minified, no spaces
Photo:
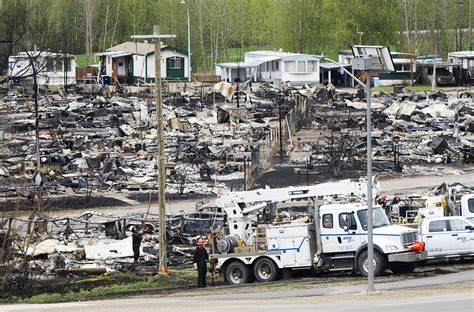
{"x":464,"y":72}
{"x":53,"y":69}
{"x":272,"y":66}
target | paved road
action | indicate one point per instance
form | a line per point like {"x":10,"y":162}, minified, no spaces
{"x":419,"y":184}
{"x":419,"y":303}
{"x":424,"y":294}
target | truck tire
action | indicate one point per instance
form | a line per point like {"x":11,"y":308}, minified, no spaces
{"x":265,"y":270}
{"x":379,"y":263}
{"x":403,"y":268}
{"x":237,"y":273}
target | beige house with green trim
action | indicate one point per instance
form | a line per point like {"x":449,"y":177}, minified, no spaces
{"x":134,"y":62}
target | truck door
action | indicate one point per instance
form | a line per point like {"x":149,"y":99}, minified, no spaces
{"x":462,"y":239}
{"x":438,"y":239}
{"x":339,"y":232}
{"x":329,"y":232}
{"x":351,"y":239}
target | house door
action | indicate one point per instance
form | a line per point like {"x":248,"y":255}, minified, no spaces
{"x":175,"y":67}
{"x":120,"y":66}
{"x":130,"y":70}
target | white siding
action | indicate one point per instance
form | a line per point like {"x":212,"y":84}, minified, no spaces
{"x":139,"y":69}
{"x":301,"y":77}
{"x":108,"y":65}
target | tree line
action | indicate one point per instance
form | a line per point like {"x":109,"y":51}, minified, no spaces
{"x":222,"y":30}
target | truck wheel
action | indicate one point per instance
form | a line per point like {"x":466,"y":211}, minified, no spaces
{"x":404,"y":268}
{"x":363,"y":263}
{"x":265,"y":270}
{"x":237,"y":273}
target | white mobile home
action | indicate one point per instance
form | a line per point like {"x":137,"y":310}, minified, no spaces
{"x":130,"y":62}
{"x":464,"y":73}
{"x":272,"y":66}
{"x":53,"y":69}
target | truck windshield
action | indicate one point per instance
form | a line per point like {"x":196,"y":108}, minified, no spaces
{"x":380,"y":218}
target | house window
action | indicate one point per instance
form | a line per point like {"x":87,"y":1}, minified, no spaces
{"x":276,"y":65}
{"x":310,"y":67}
{"x":327,"y":221}
{"x":120,"y":64}
{"x":50,"y":64}
{"x":59,"y":64}
{"x":301,"y":66}
{"x":270,"y":66}
{"x":175,"y":63}
{"x":291,"y":66}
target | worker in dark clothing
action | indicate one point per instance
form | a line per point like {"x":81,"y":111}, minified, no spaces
{"x":200,"y":263}
{"x":136,"y":242}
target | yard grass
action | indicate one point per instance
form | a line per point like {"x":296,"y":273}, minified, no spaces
{"x":114,"y":285}
{"x":417,"y":88}
{"x":81,"y":60}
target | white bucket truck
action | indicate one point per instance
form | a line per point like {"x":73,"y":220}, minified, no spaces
{"x":333,"y":238}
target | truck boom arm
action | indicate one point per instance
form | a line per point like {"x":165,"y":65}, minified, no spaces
{"x":235,"y":204}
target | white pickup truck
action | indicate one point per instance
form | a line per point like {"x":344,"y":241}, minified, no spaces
{"x":447,"y":237}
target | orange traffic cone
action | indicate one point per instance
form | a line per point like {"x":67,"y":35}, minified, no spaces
{"x":418,"y":246}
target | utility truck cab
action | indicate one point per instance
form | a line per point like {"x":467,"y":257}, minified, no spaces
{"x":344,"y":240}
{"x":333,"y":236}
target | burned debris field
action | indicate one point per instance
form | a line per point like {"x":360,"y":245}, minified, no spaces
{"x":98,"y":147}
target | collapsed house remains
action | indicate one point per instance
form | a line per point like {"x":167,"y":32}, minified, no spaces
{"x":216,"y":139}
{"x":412,"y":131}
{"x":93,"y":243}
{"x":103,"y":143}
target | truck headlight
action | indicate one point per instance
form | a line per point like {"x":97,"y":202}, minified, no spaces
{"x":391,"y":247}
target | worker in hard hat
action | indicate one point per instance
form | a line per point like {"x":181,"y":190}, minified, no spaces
{"x":200,"y":263}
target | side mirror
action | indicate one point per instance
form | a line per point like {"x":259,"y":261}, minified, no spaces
{"x":469,"y":227}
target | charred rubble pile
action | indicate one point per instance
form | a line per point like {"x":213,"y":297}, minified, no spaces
{"x":410,"y":132}
{"x":107,"y":143}
{"x":93,"y":243}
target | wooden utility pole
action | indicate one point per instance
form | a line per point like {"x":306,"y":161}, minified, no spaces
{"x":161,"y":154}
{"x":88,"y":22}
{"x":160,"y":159}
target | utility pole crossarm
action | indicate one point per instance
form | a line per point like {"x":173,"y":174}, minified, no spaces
{"x":153,"y":37}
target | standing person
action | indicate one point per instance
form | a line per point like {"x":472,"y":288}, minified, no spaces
{"x":200,"y":263}
{"x":136,"y":242}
